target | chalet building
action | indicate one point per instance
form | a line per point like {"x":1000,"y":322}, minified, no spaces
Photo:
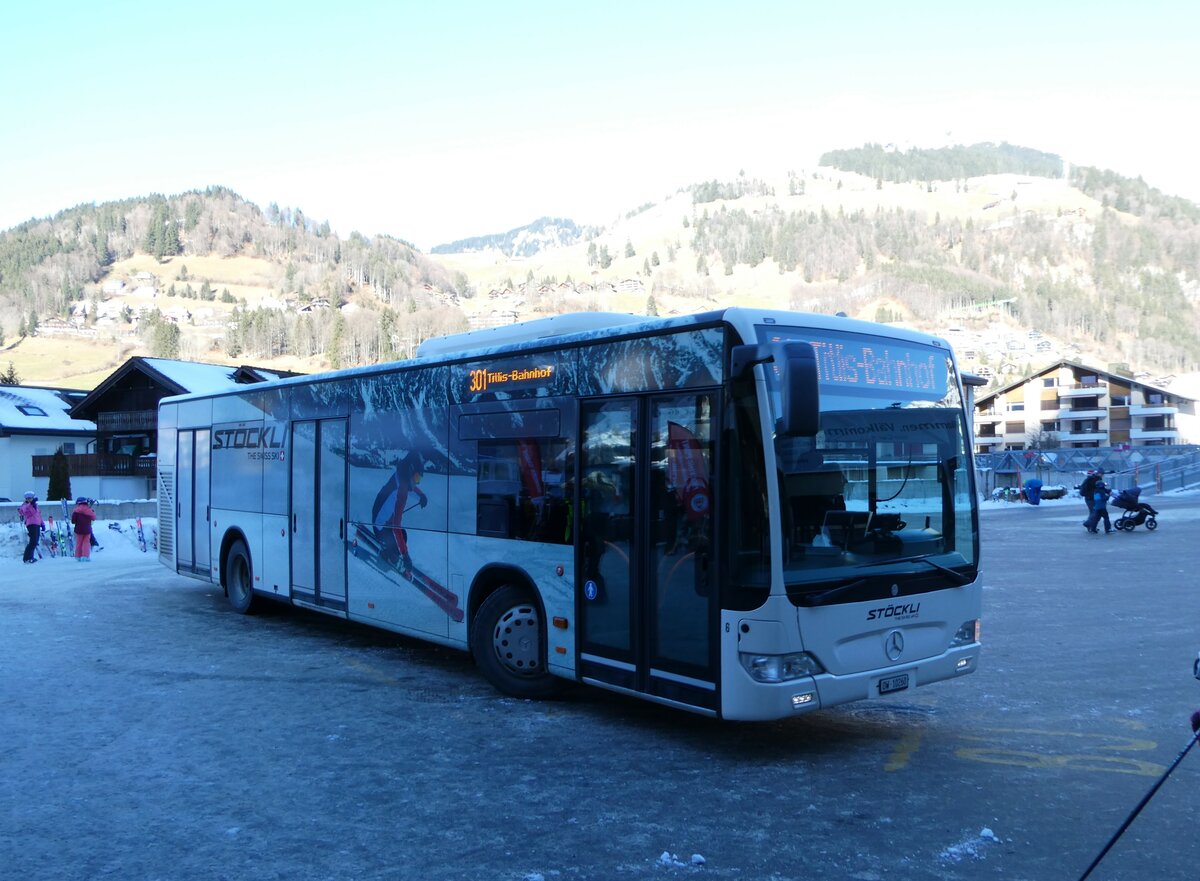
{"x":118,"y":461}
{"x":35,"y":422}
{"x":1069,"y":405}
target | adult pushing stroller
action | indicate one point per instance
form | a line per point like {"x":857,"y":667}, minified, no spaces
{"x":1133,"y":512}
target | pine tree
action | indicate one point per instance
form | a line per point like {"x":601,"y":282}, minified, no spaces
{"x":165,"y":341}
{"x":9,"y":376}
{"x":337,"y":342}
{"x":60,"y":478}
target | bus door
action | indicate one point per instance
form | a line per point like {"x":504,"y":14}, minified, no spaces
{"x":319,"y":512}
{"x":193,"y":456}
{"x":645,"y":582}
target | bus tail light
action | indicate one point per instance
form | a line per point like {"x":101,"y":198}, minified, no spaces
{"x":780,"y":668}
{"x":967,"y":634}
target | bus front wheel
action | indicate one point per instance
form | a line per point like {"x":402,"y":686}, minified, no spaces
{"x":508,"y":643}
{"x":239,"y":578}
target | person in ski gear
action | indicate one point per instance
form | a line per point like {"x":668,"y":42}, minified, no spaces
{"x":92,"y":533}
{"x":31,"y":517}
{"x":1087,"y":489}
{"x":82,"y":517}
{"x":387,"y":514}
{"x":1099,"y":509}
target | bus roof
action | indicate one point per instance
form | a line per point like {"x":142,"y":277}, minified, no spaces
{"x":579,"y":327}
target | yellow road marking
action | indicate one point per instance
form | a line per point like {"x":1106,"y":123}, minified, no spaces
{"x":904,"y":750}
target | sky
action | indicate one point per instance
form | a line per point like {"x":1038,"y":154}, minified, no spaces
{"x":438,"y":121}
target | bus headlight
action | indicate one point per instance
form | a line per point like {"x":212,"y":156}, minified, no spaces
{"x":967,"y":634}
{"x":780,"y":668}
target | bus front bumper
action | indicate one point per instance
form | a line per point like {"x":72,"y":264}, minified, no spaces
{"x":749,"y":700}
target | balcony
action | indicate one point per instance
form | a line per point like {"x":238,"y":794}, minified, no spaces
{"x":1153,"y":410}
{"x":127,"y":420}
{"x":100,"y":465}
{"x":1082,"y":391}
{"x":1154,"y":434}
{"x":1075,"y":436}
{"x":988,"y":441}
{"x":989,"y":418}
{"x":1082,"y":413}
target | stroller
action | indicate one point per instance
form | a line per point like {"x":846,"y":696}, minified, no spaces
{"x":1133,"y":512}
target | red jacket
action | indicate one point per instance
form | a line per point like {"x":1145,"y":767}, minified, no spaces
{"x":82,"y":517}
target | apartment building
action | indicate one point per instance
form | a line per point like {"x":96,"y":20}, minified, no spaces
{"x":1070,"y":405}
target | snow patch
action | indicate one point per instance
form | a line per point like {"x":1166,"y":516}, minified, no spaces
{"x":673,"y":861}
{"x":970,"y":847}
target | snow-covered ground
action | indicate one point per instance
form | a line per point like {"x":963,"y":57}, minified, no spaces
{"x":118,"y":547}
{"x":118,"y":538}
{"x":1072,"y":500}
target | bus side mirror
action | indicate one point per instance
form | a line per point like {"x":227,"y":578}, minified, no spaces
{"x":801,"y":401}
{"x":795,"y":364}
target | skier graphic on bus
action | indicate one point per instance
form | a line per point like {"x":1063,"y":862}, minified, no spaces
{"x":387,"y":514}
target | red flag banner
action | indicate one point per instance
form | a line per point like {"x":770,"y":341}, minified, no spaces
{"x":687,"y":469}
{"x":530,"y":456}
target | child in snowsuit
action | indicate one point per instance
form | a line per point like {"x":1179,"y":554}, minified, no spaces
{"x":1099,"y":509}
{"x":82,"y":517}
{"x":32,"y":518}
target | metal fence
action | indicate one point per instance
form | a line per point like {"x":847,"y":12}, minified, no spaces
{"x":1154,"y":469}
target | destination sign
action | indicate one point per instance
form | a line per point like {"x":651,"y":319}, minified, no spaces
{"x":485,"y":379}
{"x":508,"y":378}
{"x":870,"y":363}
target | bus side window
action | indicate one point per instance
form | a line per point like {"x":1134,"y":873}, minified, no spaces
{"x":521,"y":490}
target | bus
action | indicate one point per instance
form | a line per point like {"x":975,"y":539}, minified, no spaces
{"x":744,"y":514}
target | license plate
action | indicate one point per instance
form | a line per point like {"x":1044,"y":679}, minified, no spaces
{"x":893,"y":683}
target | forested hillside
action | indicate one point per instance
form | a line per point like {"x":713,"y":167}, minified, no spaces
{"x":995,"y":240}
{"x":51,"y":271}
{"x":1104,"y":266}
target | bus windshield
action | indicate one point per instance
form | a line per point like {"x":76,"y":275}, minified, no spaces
{"x":881,"y":501}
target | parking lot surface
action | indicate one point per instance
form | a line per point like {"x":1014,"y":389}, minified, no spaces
{"x":152,"y":733}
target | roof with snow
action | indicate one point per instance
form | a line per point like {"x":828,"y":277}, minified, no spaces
{"x":29,"y":410}
{"x":168,"y":377}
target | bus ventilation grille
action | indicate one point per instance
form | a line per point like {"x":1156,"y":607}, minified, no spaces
{"x":166,"y":516}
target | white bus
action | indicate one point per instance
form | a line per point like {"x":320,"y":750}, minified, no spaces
{"x":745,"y":514}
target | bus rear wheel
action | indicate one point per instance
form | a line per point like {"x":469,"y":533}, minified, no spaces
{"x":239,"y":578}
{"x":508,"y":643}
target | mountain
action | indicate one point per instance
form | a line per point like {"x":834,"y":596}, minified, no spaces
{"x":209,"y":276}
{"x":524,"y":241}
{"x":996,"y":241}
{"x":1017,"y":256}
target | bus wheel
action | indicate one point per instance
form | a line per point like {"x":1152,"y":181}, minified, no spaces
{"x":239,"y":578}
{"x":508,"y":643}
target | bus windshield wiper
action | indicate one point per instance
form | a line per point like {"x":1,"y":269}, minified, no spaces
{"x":958,"y":577}
{"x":819,"y":599}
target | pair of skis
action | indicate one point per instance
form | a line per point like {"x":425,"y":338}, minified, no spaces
{"x":366,"y":547}
{"x":49,"y":539}
{"x":56,"y":539}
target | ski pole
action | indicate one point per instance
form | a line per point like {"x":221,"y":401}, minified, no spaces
{"x":1149,"y":795}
